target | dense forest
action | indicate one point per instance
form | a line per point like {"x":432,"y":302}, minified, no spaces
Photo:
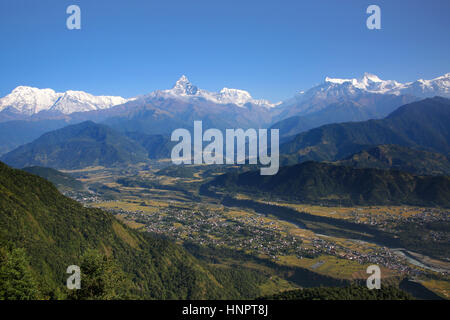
{"x":346,"y":293}
{"x":316,"y":182}
{"x":44,"y":232}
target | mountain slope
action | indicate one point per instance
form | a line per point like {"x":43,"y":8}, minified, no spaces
{"x":159,"y":112}
{"x":163,"y":111}
{"x":77,"y":146}
{"x":333,"y":90}
{"x":358,"y":108}
{"x":185,"y":90}
{"x":163,"y":116}
{"x":320,"y":182}
{"x":422,"y":124}
{"x":62,"y":181}
{"x":399,"y":158}
{"x":16,"y":133}
{"x":56,"y":231}
{"x":157,"y":146}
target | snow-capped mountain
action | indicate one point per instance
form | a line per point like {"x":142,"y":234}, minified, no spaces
{"x":439,"y":86}
{"x":334,"y":90}
{"x":373,"y":84}
{"x":79,"y":101}
{"x":28,"y":101}
{"x":185,"y":90}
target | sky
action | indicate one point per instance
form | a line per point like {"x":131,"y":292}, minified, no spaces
{"x":273,"y":49}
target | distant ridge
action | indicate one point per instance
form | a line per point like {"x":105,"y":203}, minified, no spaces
{"x":77,"y":146}
{"x":423,"y":124}
{"x":399,"y":158}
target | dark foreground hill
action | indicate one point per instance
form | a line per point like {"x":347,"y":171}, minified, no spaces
{"x":327,"y":183}
{"x":77,"y":146}
{"x":423,"y":125}
{"x":399,"y":158}
{"x":55,"y":231}
{"x":346,"y":293}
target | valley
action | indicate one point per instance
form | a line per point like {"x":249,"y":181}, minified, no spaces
{"x":205,"y":158}
{"x":308,"y":245}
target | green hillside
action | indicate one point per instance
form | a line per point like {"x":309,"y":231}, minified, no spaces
{"x":56,"y":232}
{"x":77,"y":146}
{"x":320,"y":182}
{"x":61,"y":180}
{"x":422,"y":124}
{"x":347,"y":293}
{"x":158,"y":146}
{"x":399,"y":158}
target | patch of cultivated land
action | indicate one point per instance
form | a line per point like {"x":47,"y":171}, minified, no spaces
{"x":165,"y":206}
{"x":441,"y":287}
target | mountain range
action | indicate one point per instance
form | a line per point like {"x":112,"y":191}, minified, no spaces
{"x":334,"y":89}
{"x":421,"y":125}
{"x":359,"y":108}
{"x":185,"y":90}
{"x":28,"y":101}
{"x":162,"y":111}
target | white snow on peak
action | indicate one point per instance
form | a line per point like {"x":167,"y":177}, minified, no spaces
{"x":367,"y":82}
{"x":370,"y":77}
{"x":79,"y":101}
{"x":185,"y":90}
{"x":334,"y":89}
{"x":336,"y":80}
{"x":373,"y":84}
{"x":184,"y":87}
{"x":30,"y":100}
{"x":239,"y":97}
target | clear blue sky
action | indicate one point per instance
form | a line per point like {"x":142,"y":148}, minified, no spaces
{"x":271,"y":48}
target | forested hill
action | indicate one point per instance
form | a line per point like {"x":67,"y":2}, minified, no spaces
{"x":77,"y":146}
{"x":399,"y":158}
{"x":63,"y":181}
{"x":346,"y":293}
{"x":423,"y":124}
{"x":56,"y":231}
{"x":328,"y":183}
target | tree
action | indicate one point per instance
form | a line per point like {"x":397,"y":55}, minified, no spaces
{"x":17,"y":281}
{"x":101,"y":279}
